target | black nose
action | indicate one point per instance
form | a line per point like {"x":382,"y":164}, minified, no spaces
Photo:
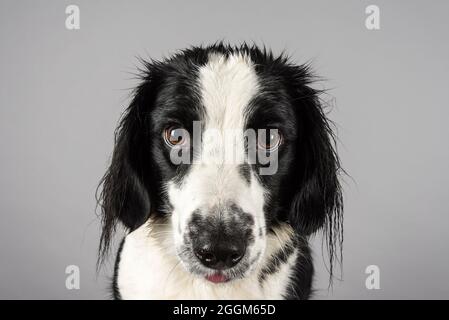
{"x":221,"y":256}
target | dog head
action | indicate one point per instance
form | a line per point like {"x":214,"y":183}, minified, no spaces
{"x":223,"y":143}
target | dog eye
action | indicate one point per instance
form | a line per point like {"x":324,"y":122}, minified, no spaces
{"x":270,"y":141}
{"x":176,"y":136}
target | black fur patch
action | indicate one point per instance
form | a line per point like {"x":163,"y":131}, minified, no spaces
{"x":115,"y":290}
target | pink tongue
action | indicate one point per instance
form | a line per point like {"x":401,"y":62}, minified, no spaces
{"x":217,"y":278}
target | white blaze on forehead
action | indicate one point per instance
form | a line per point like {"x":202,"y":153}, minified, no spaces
{"x":227,"y":86}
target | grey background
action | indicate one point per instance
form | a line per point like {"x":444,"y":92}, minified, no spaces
{"x":62,"y":93}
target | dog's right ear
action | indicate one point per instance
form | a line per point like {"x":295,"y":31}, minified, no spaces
{"x":124,"y":196}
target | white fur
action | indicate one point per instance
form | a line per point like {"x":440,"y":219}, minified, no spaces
{"x":227,"y":86}
{"x":149,"y":269}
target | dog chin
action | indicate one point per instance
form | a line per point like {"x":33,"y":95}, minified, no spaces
{"x":218,"y":277}
{"x":222,"y":277}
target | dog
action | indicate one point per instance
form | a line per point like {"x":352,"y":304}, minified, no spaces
{"x":215,"y":229}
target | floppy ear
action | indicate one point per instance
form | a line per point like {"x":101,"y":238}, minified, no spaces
{"x":317,"y":202}
{"x":124,"y":196}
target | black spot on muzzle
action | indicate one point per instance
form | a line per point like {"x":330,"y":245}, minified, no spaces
{"x":219,"y":237}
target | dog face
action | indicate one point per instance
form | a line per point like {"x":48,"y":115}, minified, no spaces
{"x":223,"y":144}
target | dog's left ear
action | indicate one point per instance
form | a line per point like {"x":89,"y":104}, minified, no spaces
{"x":317,"y":200}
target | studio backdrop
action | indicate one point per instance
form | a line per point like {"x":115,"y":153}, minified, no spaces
{"x":68,"y":69}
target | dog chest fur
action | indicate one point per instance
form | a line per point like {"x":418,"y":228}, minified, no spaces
{"x":148,"y":269}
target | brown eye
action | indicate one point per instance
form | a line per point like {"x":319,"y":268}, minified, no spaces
{"x":269,"y":139}
{"x":176,"y":136}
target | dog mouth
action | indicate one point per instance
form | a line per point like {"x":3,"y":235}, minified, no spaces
{"x":217,"y":277}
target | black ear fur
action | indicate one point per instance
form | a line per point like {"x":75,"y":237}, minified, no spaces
{"x":124,"y":196}
{"x":318,"y":201}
